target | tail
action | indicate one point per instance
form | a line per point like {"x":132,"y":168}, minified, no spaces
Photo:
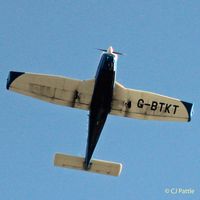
{"x":98,"y":166}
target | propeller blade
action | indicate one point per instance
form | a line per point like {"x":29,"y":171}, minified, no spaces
{"x":118,"y":53}
{"x":115,"y":52}
{"x":104,"y":50}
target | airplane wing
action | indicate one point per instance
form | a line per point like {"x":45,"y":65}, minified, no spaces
{"x":54,"y":89}
{"x":150,"y":106}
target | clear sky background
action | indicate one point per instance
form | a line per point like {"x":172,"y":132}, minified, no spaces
{"x":161,"y":40}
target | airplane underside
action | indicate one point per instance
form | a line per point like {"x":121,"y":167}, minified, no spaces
{"x":100,"y":96}
{"x":100,"y":107}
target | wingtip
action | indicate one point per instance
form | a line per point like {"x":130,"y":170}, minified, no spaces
{"x":189,"y":108}
{"x":11,"y":77}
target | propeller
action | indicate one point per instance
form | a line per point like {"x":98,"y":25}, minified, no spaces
{"x":110,"y":50}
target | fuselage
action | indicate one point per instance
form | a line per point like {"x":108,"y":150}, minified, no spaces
{"x":101,"y":100}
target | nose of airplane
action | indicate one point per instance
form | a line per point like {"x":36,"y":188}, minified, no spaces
{"x":110,"y":49}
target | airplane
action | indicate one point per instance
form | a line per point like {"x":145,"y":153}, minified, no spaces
{"x":100,"y":96}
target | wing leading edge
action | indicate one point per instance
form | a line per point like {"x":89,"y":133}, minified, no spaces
{"x":54,"y":89}
{"x":150,"y":106}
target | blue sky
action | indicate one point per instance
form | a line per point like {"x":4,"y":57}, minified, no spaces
{"x":162,"y":44}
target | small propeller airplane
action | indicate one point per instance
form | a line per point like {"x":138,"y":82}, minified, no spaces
{"x":101,"y":96}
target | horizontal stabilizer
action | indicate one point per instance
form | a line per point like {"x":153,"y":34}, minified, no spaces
{"x":98,"y":166}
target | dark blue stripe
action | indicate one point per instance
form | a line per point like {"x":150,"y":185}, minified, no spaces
{"x":189,"y":108}
{"x":11,"y":77}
